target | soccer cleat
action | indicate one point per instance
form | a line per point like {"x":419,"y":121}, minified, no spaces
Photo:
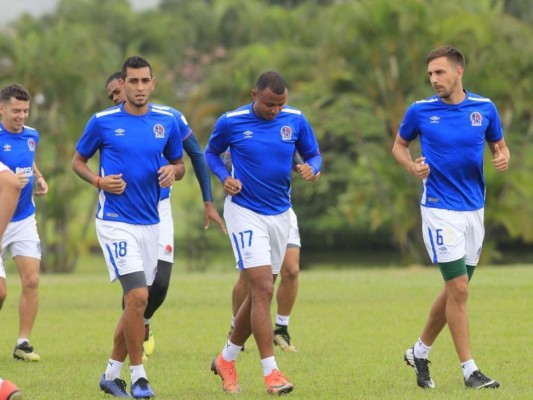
{"x":276,"y":383}
{"x":25,"y":352}
{"x":149,"y":343}
{"x":420,"y":365}
{"x":228,"y":374}
{"x":9,"y":391}
{"x":141,"y":389}
{"x":478,"y":380}
{"x":283,"y":339}
{"x":115,"y":387}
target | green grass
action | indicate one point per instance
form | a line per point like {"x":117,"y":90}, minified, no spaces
{"x":351,"y":327}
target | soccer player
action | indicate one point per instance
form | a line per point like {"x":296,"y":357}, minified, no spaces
{"x":130,"y":138}
{"x":21,"y":239}
{"x":453,"y":126}
{"x":288,"y":286}
{"x":159,"y":288}
{"x":262,"y":137}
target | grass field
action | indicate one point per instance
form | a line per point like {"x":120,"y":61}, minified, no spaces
{"x":351,"y":327}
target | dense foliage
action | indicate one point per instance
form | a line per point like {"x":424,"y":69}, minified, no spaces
{"x":353,"y":66}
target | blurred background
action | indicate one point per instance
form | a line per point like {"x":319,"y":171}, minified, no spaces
{"x":353,"y":67}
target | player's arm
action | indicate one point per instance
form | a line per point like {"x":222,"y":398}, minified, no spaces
{"x":41,"y":187}
{"x":201,"y":171}
{"x":174,"y":171}
{"x":500,"y":155}
{"x":110,"y":183}
{"x":402,"y":154}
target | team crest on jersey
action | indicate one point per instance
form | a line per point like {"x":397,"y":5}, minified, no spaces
{"x":286,"y":133}
{"x":159,"y":131}
{"x":31,"y":144}
{"x":476,"y":118}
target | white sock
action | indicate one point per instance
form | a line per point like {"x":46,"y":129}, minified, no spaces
{"x":421,"y":350}
{"x":22,"y":340}
{"x":113,"y":369}
{"x":231,"y":351}
{"x":269,"y":364}
{"x":137,"y":371}
{"x":468,"y":367}
{"x":282,"y":319}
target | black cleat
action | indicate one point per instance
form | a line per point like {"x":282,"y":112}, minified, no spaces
{"x":420,"y":365}
{"x":478,"y":380}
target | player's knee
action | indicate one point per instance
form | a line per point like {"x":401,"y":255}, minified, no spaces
{"x":289,"y":272}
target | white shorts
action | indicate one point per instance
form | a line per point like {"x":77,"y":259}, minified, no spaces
{"x":20,"y":239}
{"x":166,"y":231}
{"x":128,"y":248}
{"x":256,"y":239}
{"x":294,"y":232}
{"x":452,"y":235}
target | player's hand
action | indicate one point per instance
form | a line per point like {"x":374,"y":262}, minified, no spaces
{"x":23,"y":179}
{"x":113,"y":184}
{"x":211,"y":214}
{"x":167,"y":176}
{"x":306,"y":172}
{"x":41,"y":187}
{"x":232,"y":186}
{"x":420,"y":169}
{"x":499,"y":160}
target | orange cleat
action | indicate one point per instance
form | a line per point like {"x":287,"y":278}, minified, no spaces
{"x":228,"y":374}
{"x":277,"y":384}
{"x":9,"y":391}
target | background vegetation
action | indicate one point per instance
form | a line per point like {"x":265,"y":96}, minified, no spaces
{"x":353,"y":66}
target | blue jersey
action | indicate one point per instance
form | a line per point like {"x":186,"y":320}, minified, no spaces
{"x":18,"y":153}
{"x":452,"y":138}
{"x":262,"y":153}
{"x":131,"y":145}
{"x":194,"y":151}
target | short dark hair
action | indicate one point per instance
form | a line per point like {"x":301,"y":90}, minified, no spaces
{"x":113,"y":76}
{"x":273,"y":81}
{"x":135,"y":62}
{"x":451,"y":53}
{"x":15,"y":90}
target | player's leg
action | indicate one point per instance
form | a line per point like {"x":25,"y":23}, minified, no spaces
{"x":9,"y":195}
{"x":286,"y":297}
{"x":28,"y":268}
{"x":132,"y":259}
{"x":26,"y":250}
{"x":159,"y":288}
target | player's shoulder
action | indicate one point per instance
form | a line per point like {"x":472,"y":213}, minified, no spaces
{"x":111,"y":111}
{"x":476,"y":98}
{"x":427,"y":101}
{"x":164,"y":109}
{"x":29,"y":130}
{"x":291,"y":110}
{"x":239,"y":112}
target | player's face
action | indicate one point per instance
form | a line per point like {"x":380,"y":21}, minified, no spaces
{"x":115,"y":92}
{"x":138,"y":86}
{"x":267,"y":104}
{"x":14,"y":114}
{"x":445,"y":78}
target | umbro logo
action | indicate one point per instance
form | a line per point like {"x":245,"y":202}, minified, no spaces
{"x":248,"y":134}
{"x":119,"y":132}
{"x":7,"y":147}
{"x":434,"y":119}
